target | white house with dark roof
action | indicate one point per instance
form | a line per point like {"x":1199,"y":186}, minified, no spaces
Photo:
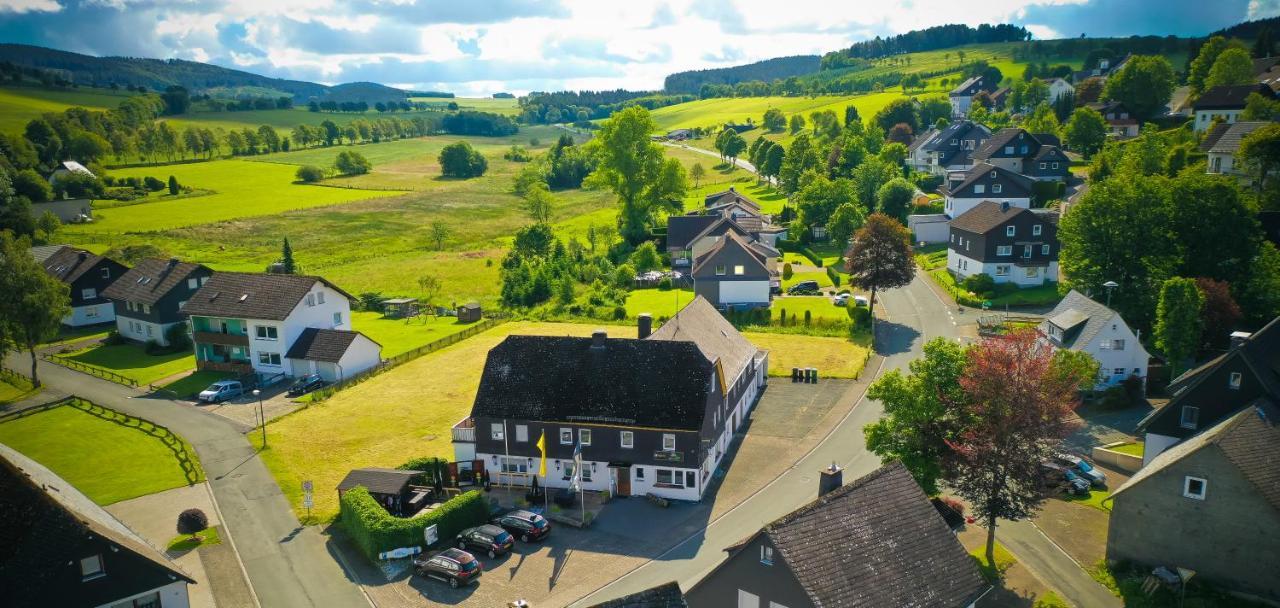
{"x":952,"y":148}
{"x":1225,"y":103}
{"x":734,"y":272}
{"x":1081,"y":324}
{"x":1008,"y":244}
{"x":962,"y":96}
{"x":1037,"y":156}
{"x":1121,"y":124}
{"x":148,"y":299}
{"x":87,"y":275}
{"x":1223,"y":145}
{"x":1059,"y":87}
{"x":986,"y":182}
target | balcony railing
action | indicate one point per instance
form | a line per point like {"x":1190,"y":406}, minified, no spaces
{"x":211,"y":337}
{"x":224,"y":366}
{"x":465,"y":430}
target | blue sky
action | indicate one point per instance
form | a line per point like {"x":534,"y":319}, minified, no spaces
{"x":478,"y":47}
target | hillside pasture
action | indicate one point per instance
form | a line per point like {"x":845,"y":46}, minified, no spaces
{"x":20,"y":104}
{"x":508,"y":107}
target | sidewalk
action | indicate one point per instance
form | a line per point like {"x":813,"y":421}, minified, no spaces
{"x":1053,"y":566}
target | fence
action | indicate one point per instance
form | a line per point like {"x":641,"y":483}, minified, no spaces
{"x":401,"y":359}
{"x":89,"y":369}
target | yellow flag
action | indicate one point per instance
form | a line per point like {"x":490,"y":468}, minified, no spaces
{"x":542,"y":449}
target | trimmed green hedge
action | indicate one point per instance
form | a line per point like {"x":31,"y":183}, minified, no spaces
{"x":374,"y":530}
{"x":793,"y":246}
{"x":833,"y":275}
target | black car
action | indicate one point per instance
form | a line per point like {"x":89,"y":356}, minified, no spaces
{"x":306,"y":384}
{"x":803,"y":288}
{"x":454,"y":566}
{"x":526,"y":525}
{"x":489,"y":539}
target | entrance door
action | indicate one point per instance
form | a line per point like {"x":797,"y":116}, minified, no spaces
{"x":622,"y":480}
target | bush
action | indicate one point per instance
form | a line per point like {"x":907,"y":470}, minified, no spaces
{"x":980,"y":283}
{"x":624,"y":275}
{"x":432,"y":469}
{"x":834,"y":276}
{"x":352,"y":163}
{"x":310,"y":174}
{"x":664,"y":284}
{"x":813,"y":257}
{"x":153,"y":184}
{"x":371,"y":300}
{"x":153,"y":347}
{"x":114,"y":338}
{"x":178,"y":338}
{"x":193,"y":522}
{"x":860,"y":316}
{"x":1115,"y":398}
{"x":619,"y":313}
{"x":374,"y":530}
{"x":459,"y":159}
{"x":787,"y":273}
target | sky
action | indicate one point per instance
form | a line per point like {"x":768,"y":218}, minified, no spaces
{"x":479,"y":47}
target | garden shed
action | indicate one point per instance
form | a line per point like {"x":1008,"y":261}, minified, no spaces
{"x":389,"y":487}
{"x":469,"y":312}
{"x":400,"y":308}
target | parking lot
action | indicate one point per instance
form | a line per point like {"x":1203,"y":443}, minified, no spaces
{"x":571,"y":563}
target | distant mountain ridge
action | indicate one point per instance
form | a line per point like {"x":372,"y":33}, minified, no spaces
{"x":195,"y":76}
{"x":767,"y":71}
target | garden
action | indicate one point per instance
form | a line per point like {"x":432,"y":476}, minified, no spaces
{"x":978,"y":289}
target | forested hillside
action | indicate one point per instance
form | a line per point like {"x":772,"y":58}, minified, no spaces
{"x":928,"y":39}
{"x":767,"y":70}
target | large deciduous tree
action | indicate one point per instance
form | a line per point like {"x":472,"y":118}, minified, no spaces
{"x":1232,"y":67}
{"x":774,"y":120}
{"x":1260,"y":155}
{"x":1178,"y":323}
{"x":635,"y":169}
{"x":1143,"y":85}
{"x":32,"y":303}
{"x":1085,"y":131}
{"x":895,"y":197}
{"x":880,"y":257}
{"x":1203,"y":63}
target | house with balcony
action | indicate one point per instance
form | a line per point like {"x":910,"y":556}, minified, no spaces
{"x":277,"y":325}
{"x":1009,"y":244}
{"x":951,"y":149}
{"x":148,"y":299}
{"x":692,"y":234}
{"x":1038,"y":156}
{"x":653,"y":414}
{"x":86,"y":276}
{"x":1221,"y":146}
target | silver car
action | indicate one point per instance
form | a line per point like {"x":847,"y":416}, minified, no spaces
{"x":222,"y":390}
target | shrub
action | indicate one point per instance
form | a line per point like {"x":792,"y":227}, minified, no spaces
{"x":193,"y":522}
{"x":1115,"y":398}
{"x":860,"y":316}
{"x":980,"y":283}
{"x":153,"y":347}
{"x":664,"y":284}
{"x":352,"y":163}
{"x":619,"y":313}
{"x":808,"y":317}
{"x":178,"y":338}
{"x":310,"y":174}
{"x":953,"y":504}
{"x":813,"y":257}
{"x":173,"y":186}
{"x":834,"y":276}
{"x":459,"y":159}
{"x":624,"y":275}
{"x":153,"y":184}
{"x":374,"y":530}
{"x":787,"y":273}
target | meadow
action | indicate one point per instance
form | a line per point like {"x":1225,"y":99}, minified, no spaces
{"x":20,"y":104}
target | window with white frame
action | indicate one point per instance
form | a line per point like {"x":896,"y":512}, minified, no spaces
{"x":337,"y":318}
{"x":584,"y":436}
{"x":1026,"y":251}
{"x":997,"y":188}
{"x":1194,"y":487}
{"x":1044,"y":249}
{"x":640,"y":473}
{"x":266,"y":332}
{"x":149,"y":332}
{"x":522,"y":433}
{"x":146,"y":309}
{"x":1055,"y":165}
{"x":1010,"y":230}
{"x":720,"y":270}
{"x":497,"y":430}
{"x":1004,"y":249}
{"x":514,"y":465}
{"x":266,"y":358}
{"x":739,"y":270}
{"x":668,"y":442}
{"x":319,"y":297}
{"x":1036,"y":230}
{"x":91,"y":567}
{"x":88,"y":293}
{"x":192,"y":284}
{"x":979,"y":188}
{"x":1119,"y":371}
{"x":91,"y":312}
{"x":1002,"y":270}
{"x":627,"y":438}
{"x":106,"y":273}
{"x":311,"y":299}
{"x":766,"y":555}
{"x":1190,"y":418}
{"x":1117,"y":345}
{"x":566,"y":436}
{"x":1236,"y":380}
{"x":1033,"y":272}
{"x":1044,"y":165}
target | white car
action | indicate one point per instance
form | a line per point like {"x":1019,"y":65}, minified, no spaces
{"x":840,"y":299}
{"x":222,"y":390}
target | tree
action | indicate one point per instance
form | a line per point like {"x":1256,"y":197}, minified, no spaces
{"x":538,"y":202}
{"x":1260,"y":154}
{"x":851,"y":115}
{"x":1076,"y":365}
{"x":310,"y":174}
{"x":774,"y":120}
{"x":697,"y":172}
{"x":192,"y":522}
{"x":1143,"y":85}
{"x":28,"y":183}
{"x":1233,"y":66}
{"x":439,"y":232}
{"x":287,"y":264}
{"x":637,"y":172}
{"x":923,"y":412}
{"x":773,"y":161}
{"x":1178,"y":323}
{"x":1019,"y":407}
{"x":1265,"y":44}
{"x":646,"y":258}
{"x":87,"y":147}
{"x":173,"y":186}
{"x":1086,"y":131}
{"x":796,"y":123}
{"x":800,"y":157}
{"x":1213,"y":225}
{"x":901,"y":133}
{"x":429,"y":286}
{"x":844,"y":221}
{"x":352,"y":163}
{"x":895,"y":197}
{"x":460,"y":160}
{"x":1203,"y":63}
{"x":730,"y":144}
{"x":818,"y":200}
{"x":1042,"y":120}
{"x":1089,"y":91}
{"x":900,"y":110}
{"x":869,"y":177}
{"x":1259,"y":293}
{"x":880,"y":257}
{"x":32,"y":302}
{"x":893,"y":154}
{"x":1219,"y":315}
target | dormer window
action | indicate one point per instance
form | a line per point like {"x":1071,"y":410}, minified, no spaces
{"x":1235,"y":381}
{"x":1036,"y":230}
{"x":91,"y":568}
{"x":1194,"y":487}
{"x":1010,"y":230}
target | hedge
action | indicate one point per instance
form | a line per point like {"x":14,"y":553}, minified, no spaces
{"x":793,"y":246}
{"x":374,"y":530}
{"x":833,"y":275}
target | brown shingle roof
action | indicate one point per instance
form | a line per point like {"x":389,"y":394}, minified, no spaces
{"x":253,"y":295}
{"x":730,"y":240}
{"x":986,"y":216}
{"x":150,"y":280}
{"x":322,"y":344}
{"x":876,"y":542}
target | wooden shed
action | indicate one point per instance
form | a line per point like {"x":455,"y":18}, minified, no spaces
{"x":469,"y":312}
{"x":390,"y":487}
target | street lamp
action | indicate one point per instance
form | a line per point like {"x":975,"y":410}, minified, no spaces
{"x":261,"y":416}
{"x":1110,"y":285}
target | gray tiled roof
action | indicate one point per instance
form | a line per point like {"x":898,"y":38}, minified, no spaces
{"x":150,"y":280}
{"x":67,"y":264}
{"x":322,"y":344}
{"x":1229,"y":141}
{"x":378,"y":480}
{"x":1079,"y":317}
{"x":699,"y":322}
{"x":876,"y":542}
{"x":1014,"y":185}
{"x":731,"y":240}
{"x":242,"y":295}
{"x":1230,"y":97}
{"x":42,"y":252}
{"x":666,"y":595}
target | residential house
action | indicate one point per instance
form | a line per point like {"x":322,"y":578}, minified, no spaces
{"x":61,"y":549}
{"x":1000,"y":97}
{"x":1081,"y":324}
{"x":148,"y":299}
{"x":1210,"y":504}
{"x":68,"y":210}
{"x":1210,"y":393}
{"x":650,"y":415}
{"x":962,"y":96}
{"x":680,"y":134}
{"x":1059,"y":87}
{"x":1037,"y":156}
{"x":1105,"y":68}
{"x":691,"y":235}
{"x":1225,"y":103}
{"x":917,"y":157}
{"x":1120,"y":123}
{"x":87,"y":275}
{"x":666,"y":595}
{"x":1222,"y":144}
{"x":986,"y":182}
{"x":1267,"y":71}
{"x":953,"y":147}
{"x":1009,"y":244}
{"x":873,"y":543}
{"x":735,"y":272}
{"x":277,"y":325}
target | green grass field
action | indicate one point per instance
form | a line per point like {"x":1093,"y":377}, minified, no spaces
{"x":131,"y":361}
{"x":657,"y":302}
{"x":15,"y":389}
{"x":107,"y":461}
{"x":509,"y":107}
{"x":20,"y":104}
{"x":188,"y":387}
{"x":398,"y":336}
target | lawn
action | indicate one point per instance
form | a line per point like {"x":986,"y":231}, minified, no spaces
{"x":190,"y":386}
{"x":1093,"y":499}
{"x":15,"y":388}
{"x":1132,"y":449}
{"x":820,"y":307}
{"x":833,"y":357}
{"x":509,"y":107}
{"x":992,"y":572}
{"x":820,"y":276}
{"x":131,"y":361}
{"x":20,"y":104}
{"x":106,"y":460}
{"x":398,"y":336}
{"x":185,"y":542}
{"x":1005,"y":295}
{"x":770,"y":200}
{"x":661,"y":303}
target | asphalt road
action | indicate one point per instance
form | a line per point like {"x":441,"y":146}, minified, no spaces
{"x":288,"y":564}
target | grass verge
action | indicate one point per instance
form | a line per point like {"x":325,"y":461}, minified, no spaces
{"x":186,"y":542}
{"x":398,"y":336}
{"x":132,"y":361}
{"x":992,"y":572}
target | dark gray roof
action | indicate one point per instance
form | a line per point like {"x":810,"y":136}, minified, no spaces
{"x":1079,"y":318}
{"x":725,"y":196}
{"x":1011,"y":136}
{"x":731,"y":242}
{"x":1212,"y":135}
{"x":42,"y":252}
{"x":67,"y":264}
{"x":1228,"y":142}
{"x":1230,"y":97}
{"x":989,"y":215}
{"x":1013,"y":185}
{"x":699,"y":322}
{"x":378,"y":480}
{"x":45,"y":522}
{"x":876,"y":542}
{"x":648,"y":383}
{"x":150,"y":280}
{"x":681,"y":229}
{"x":323,"y":344}
{"x":666,"y":595}
{"x":243,"y":295}
{"x":972,"y":86}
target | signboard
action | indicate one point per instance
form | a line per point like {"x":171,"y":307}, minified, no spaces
{"x":400,"y":553}
{"x":306,"y":494}
{"x":306,"y":486}
{"x":430,"y":535}
{"x":668,"y":456}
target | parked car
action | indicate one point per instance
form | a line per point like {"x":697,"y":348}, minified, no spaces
{"x":453,"y":566}
{"x":803,"y":288}
{"x":222,"y":390}
{"x":1064,"y":479}
{"x":861,"y":301}
{"x":490,"y":539}
{"x":1084,"y":469}
{"x":306,"y":384}
{"x":840,"y":299}
{"x":525,"y":525}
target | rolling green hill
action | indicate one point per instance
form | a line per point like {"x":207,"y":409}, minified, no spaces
{"x":19,"y":104}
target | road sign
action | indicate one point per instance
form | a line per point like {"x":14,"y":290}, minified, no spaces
{"x":306,"y":486}
{"x":430,"y":535}
{"x":306,"y":501}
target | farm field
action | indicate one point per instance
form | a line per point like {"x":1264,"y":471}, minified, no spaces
{"x":20,"y":104}
{"x":75,"y":445}
{"x":509,"y":107}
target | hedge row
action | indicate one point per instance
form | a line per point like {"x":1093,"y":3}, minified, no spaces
{"x":833,"y":275}
{"x":374,"y":530}
{"x":796,"y":247}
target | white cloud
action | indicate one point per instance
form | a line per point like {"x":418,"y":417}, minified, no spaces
{"x":29,"y":6}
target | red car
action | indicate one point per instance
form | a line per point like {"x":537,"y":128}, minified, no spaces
{"x":454,"y":566}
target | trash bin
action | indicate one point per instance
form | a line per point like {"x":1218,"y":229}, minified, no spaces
{"x":795,"y":374}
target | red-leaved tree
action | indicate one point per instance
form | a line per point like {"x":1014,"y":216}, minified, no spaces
{"x":1021,"y":401}
{"x":1219,"y":315}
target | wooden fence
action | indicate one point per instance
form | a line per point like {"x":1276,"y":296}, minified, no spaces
{"x":89,"y":369}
